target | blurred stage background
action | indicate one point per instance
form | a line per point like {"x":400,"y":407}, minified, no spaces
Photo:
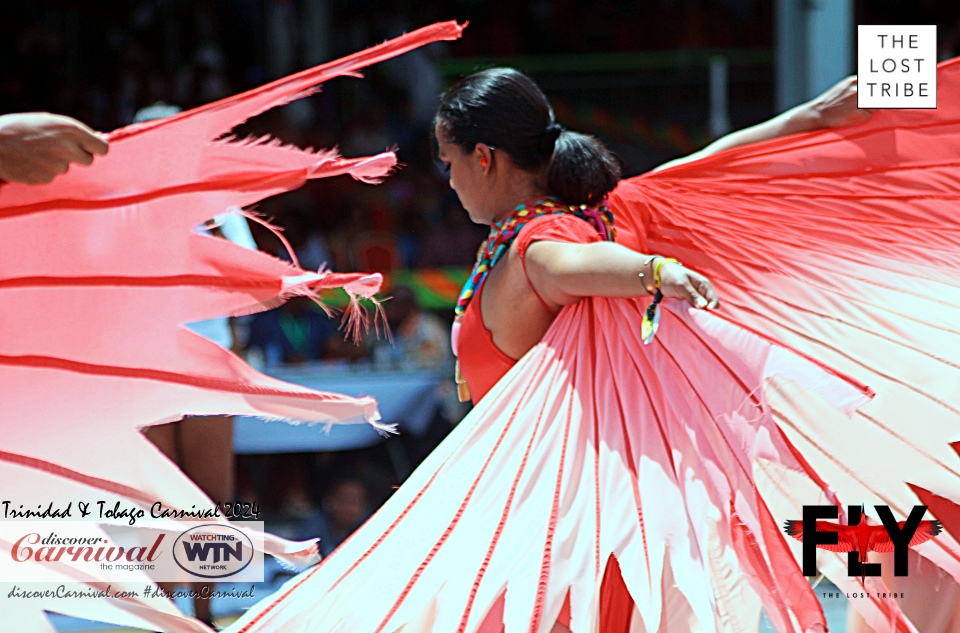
{"x":655,"y":79}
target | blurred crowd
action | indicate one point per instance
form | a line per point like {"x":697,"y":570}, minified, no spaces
{"x":104,"y":62}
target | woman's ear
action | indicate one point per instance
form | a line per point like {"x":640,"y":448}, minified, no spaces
{"x":484,"y":155}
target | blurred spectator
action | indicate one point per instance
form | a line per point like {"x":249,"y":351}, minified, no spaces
{"x":343,"y":509}
{"x":205,"y":80}
{"x":158,"y":110}
{"x":454,"y":241}
{"x":411,"y":229}
{"x":416,"y":73}
{"x":367,"y":134}
{"x":297,"y":332}
{"x":308,"y":244}
{"x":420,"y":338}
{"x":949,"y":42}
{"x":377,"y":249}
{"x":352,"y":223}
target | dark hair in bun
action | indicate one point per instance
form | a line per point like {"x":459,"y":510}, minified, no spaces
{"x":505,"y":109}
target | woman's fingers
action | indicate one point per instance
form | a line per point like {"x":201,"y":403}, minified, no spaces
{"x":90,"y":141}
{"x":837,"y":107}
{"x":75,"y":153}
{"x":691,"y":294}
{"x":706,"y":291}
{"x":693,"y":287}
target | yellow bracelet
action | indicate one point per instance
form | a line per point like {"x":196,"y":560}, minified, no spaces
{"x":657,"y":267}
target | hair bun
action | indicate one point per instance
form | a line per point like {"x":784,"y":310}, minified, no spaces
{"x":504,"y":108}
{"x":550,"y":136}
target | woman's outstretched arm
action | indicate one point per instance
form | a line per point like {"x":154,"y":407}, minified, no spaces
{"x":563,"y":273}
{"x":837,"y":107}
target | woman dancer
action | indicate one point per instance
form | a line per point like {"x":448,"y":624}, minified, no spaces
{"x":601,"y":483}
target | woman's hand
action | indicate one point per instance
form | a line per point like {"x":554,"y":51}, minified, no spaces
{"x":837,"y":107}
{"x":680,"y":282}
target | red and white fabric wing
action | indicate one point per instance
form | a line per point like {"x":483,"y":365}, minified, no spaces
{"x":100,"y":270}
{"x":843,"y":245}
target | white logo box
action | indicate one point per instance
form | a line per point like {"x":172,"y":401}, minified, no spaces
{"x":896,"y":66}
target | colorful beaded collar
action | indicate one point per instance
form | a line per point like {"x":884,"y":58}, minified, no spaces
{"x":505,"y":231}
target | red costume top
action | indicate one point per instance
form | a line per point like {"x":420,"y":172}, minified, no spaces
{"x":482,"y":363}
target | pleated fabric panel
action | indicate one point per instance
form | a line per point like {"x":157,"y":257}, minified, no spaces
{"x":844,"y":246}
{"x":593,"y":451}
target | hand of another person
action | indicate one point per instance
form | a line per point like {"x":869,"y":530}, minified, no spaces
{"x":680,"y":282}
{"x":36,"y":147}
{"x":837,"y":107}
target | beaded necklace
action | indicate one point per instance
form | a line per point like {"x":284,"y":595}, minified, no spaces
{"x":502,"y":234}
{"x":504,"y":231}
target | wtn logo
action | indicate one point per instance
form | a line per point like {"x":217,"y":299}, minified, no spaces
{"x":221,"y":551}
{"x":213,"y":551}
{"x":858,"y":538}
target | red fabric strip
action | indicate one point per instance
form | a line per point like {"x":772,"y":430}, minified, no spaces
{"x":453,"y":522}
{"x":49,"y":362}
{"x":552,"y":526}
{"x":500,"y":525}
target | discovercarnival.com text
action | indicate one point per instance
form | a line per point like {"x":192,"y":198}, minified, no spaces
{"x":150,"y":591}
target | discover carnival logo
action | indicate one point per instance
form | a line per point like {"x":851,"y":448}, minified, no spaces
{"x":213,"y":551}
{"x":169,"y":553}
{"x":31,"y":547}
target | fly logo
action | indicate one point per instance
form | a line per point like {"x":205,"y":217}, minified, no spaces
{"x":857,"y":538}
{"x":213,"y":551}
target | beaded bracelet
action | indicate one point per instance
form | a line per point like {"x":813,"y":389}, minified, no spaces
{"x":651,"y":318}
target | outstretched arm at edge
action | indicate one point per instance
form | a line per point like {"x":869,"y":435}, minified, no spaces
{"x":837,"y":107}
{"x":563,"y":273}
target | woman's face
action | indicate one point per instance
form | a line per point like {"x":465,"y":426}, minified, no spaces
{"x":468,"y":177}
